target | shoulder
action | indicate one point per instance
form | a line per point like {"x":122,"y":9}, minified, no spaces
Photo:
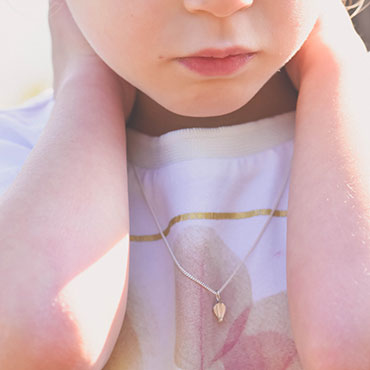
{"x":20,"y":128}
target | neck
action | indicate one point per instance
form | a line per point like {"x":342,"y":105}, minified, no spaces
{"x":277,"y":96}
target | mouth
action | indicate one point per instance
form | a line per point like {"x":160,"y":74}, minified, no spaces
{"x":216,"y":66}
{"x":214,"y":62}
{"x":221,"y":53}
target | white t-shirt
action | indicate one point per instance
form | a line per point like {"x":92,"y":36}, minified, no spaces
{"x":212,"y":190}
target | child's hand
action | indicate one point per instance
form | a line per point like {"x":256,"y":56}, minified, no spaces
{"x":333,"y":36}
{"x":71,"y":53}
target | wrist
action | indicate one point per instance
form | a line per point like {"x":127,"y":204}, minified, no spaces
{"x":329,"y":64}
{"x":87,"y":74}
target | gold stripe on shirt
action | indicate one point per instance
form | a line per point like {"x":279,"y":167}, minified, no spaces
{"x":207,"y":216}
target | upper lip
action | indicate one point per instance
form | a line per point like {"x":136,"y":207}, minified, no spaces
{"x":220,"y":53}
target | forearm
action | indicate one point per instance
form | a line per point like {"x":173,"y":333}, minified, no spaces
{"x":328,"y":246}
{"x":64,"y":230}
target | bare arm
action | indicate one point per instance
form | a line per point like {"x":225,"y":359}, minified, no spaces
{"x":328,"y":265}
{"x":64,"y":225}
{"x":64,"y":234}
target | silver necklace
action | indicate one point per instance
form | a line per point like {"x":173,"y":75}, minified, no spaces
{"x":219,"y":308}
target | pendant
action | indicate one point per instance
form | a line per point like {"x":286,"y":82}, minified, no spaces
{"x":219,"y":309}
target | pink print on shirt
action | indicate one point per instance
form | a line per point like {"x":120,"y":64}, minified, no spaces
{"x":253,"y":336}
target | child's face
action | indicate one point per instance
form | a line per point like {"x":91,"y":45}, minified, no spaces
{"x":141,"y":39}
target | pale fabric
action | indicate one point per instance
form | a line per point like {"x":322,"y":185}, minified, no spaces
{"x":217,"y":186}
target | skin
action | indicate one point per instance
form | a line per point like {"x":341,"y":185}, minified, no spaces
{"x":169,"y":96}
{"x":328,"y":236}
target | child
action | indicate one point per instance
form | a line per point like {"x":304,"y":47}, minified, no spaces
{"x":188,"y":158}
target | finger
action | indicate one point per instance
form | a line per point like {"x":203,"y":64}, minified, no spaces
{"x":335,"y":29}
{"x":55,"y":6}
{"x":332,"y":13}
{"x":334,"y":22}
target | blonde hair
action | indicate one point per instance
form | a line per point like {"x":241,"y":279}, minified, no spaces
{"x":354,"y":7}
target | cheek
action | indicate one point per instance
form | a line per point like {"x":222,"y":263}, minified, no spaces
{"x":290,"y":23}
{"x":121,"y":34}
{"x":86,"y":17}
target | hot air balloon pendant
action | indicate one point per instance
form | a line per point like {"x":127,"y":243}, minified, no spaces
{"x":219,"y":309}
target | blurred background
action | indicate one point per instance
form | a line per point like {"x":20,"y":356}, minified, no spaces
{"x":25,"y":63}
{"x":25,"y":49}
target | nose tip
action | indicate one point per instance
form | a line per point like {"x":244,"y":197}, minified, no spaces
{"x":219,"y":8}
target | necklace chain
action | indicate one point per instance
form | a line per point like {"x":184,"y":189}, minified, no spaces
{"x":186,"y":273}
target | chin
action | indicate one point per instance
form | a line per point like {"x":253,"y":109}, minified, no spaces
{"x":211,"y":106}
{"x":199,"y":110}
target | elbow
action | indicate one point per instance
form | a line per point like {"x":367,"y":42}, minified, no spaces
{"x":40,"y":351}
{"x":21,"y":359}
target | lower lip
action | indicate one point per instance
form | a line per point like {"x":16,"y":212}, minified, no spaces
{"x":216,"y":66}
